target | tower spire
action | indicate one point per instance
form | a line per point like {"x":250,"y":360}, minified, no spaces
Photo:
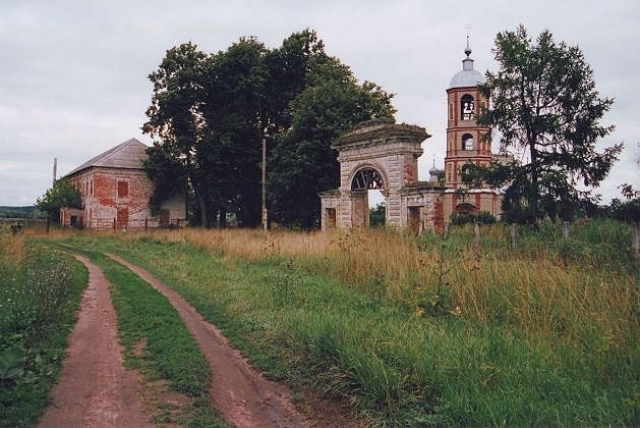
{"x":468,"y":49}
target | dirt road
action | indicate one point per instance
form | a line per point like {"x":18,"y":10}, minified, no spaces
{"x":240,"y":393}
{"x":95,"y":390}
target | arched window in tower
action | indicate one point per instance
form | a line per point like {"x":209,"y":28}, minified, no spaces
{"x":467,"y":142}
{"x":466,"y":106}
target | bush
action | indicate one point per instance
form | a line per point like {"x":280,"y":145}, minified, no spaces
{"x":482,"y":217}
{"x":39,"y":294}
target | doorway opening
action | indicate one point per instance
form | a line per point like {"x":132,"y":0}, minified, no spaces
{"x":377,"y":208}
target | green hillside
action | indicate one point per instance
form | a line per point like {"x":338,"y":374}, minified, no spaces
{"x":17,"y":212}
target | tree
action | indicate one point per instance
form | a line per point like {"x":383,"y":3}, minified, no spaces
{"x":175,"y":118}
{"x":629,"y":209}
{"x":211,"y":113}
{"x":61,"y":194}
{"x":167,"y":172}
{"x":232,"y":109}
{"x":328,"y":101}
{"x":377,"y":215}
{"x":544,"y":106}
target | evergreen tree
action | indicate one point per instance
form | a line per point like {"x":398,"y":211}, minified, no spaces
{"x":544,"y":104}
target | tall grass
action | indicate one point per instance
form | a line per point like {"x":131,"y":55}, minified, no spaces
{"x":39,"y":294}
{"x":423,"y":332}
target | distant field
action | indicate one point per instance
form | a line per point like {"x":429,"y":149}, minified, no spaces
{"x":17,"y":212}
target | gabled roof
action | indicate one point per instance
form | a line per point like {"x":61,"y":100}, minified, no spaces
{"x":128,"y":155}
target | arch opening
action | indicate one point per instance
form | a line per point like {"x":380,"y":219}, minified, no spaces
{"x":467,"y":142}
{"x":377,"y":208}
{"x":466,"y":107}
{"x":366,"y":179}
{"x":368,"y":201}
{"x":466,"y":208}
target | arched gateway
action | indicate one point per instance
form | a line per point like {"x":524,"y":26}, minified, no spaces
{"x":380,"y":154}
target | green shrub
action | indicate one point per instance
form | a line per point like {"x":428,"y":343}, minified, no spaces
{"x":39,"y":296}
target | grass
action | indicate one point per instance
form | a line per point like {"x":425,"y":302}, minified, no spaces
{"x":40,"y":291}
{"x":422,"y":332}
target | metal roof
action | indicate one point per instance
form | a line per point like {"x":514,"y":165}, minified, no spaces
{"x":128,"y":155}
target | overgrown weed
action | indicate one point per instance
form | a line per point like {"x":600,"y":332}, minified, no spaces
{"x":423,"y":332}
{"x":40,"y":291}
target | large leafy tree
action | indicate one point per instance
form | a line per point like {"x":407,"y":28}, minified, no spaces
{"x":211,"y":113}
{"x":302,"y":162}
{"x":175,"y":118}
{"x":61,"y":194}
{"x":232,"y":109}
{"x":547,"y":111}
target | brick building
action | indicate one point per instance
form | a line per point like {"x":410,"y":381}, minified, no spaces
{"x":115,"y":193}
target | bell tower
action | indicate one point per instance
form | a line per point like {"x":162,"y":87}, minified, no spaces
{"x":465,"y":141}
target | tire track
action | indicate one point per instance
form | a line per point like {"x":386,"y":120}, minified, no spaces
{"x":240,"y":393}
{"x":94,"y":388}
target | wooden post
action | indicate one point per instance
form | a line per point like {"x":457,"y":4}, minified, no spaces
{"x":565,"y":231}
{"x":635,"y":236}
{"x":476,"y":229}
{"x":265,"y":214}
{"x":446,"y":231}
{"x":513,"y":236}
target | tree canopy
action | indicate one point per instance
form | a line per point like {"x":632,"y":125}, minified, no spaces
{"x":211,"y":112}
{"x":547,"y":112}
{"x":61,"y":194}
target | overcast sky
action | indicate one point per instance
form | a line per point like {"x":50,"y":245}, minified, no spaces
{"x":73,"y":74}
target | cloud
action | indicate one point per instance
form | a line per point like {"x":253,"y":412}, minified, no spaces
{"x":73,"y":80}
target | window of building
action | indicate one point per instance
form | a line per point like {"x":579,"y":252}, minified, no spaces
{"x":123,"y":189}
{"x":466,"y":107}
{"x":467,"y":142}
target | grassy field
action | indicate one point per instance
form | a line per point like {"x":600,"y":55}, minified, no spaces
{"x":542,"y":331}
{"x":422,"y":331}
{"x":40,"y":291}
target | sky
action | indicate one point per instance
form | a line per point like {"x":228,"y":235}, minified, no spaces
{"x":74,"y":73}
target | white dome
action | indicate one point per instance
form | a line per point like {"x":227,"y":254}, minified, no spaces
{"x":467,"y":77}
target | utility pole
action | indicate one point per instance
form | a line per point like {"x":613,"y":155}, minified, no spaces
{"x":55,"y":169}
{"x":264,"y":179}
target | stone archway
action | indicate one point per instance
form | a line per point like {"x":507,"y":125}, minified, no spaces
{"x":376,"y":154}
